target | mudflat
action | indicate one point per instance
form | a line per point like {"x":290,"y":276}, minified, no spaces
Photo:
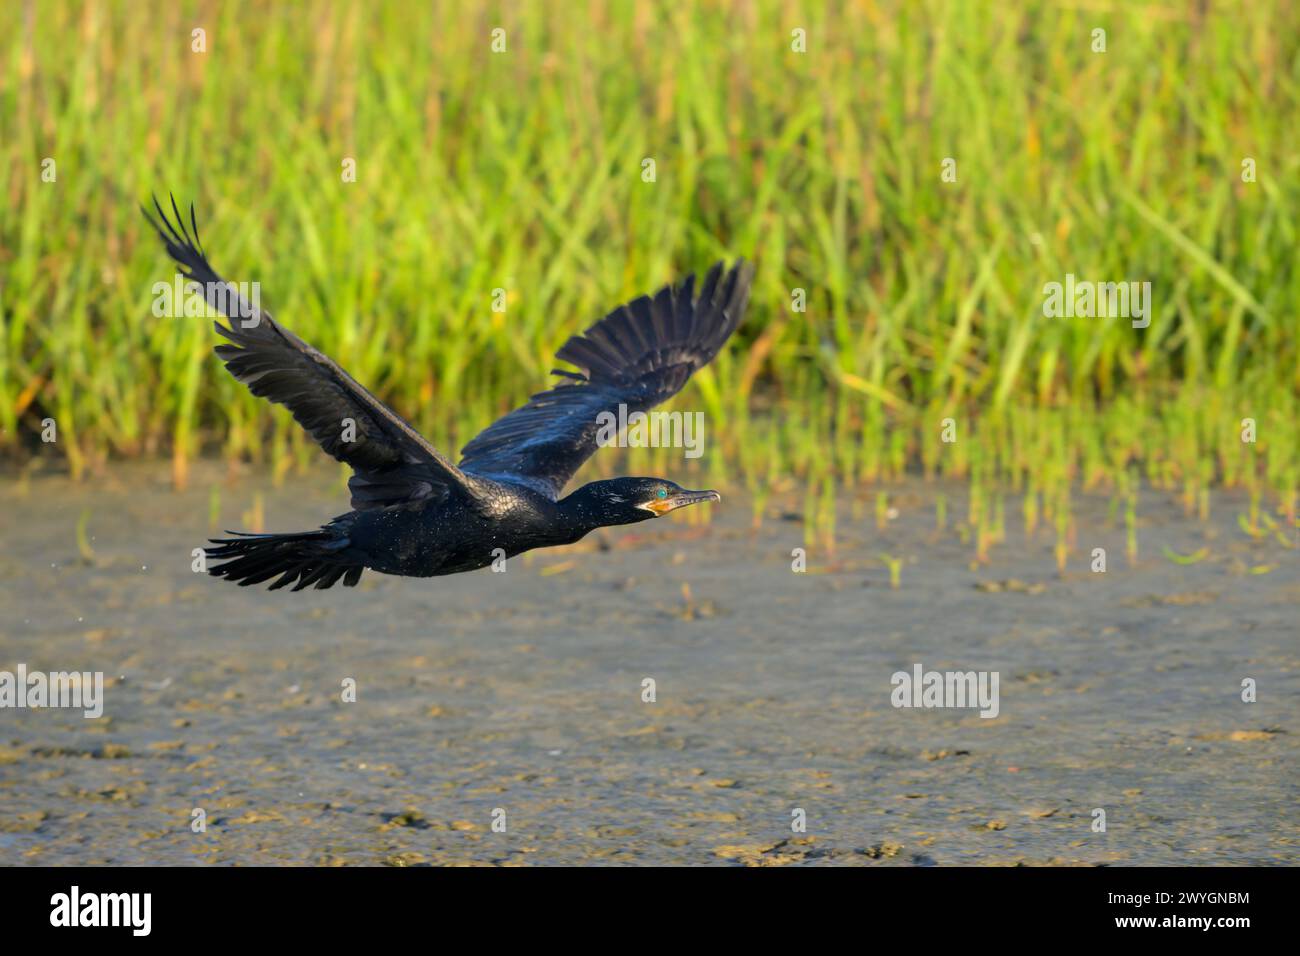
{"x":505,"y":718}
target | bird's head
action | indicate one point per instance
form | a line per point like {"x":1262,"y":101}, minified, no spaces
{"x":628,"y":500}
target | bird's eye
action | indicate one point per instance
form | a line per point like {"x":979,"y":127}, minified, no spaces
{"x":662,"y":492}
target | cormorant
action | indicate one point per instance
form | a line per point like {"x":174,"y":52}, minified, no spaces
{"x":417,"y":514}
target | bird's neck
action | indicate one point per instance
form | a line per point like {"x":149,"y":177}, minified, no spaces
{"x":581,"y":514}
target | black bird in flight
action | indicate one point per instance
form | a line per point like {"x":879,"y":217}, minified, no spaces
{"x":417,"y":514}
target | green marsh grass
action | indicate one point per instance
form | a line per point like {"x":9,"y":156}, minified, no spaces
{"x":522,"y":171}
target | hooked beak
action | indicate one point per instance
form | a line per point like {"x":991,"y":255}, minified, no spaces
{"x":680,"y":500}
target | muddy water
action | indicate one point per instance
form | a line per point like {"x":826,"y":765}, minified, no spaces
{"x":521,"y":694}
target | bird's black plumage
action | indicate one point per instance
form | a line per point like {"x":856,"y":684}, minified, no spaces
{"x":415,"y":513}
{"x":639,"y":355}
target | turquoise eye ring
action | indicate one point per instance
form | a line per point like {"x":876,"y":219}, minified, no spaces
{"x":662,"y":492}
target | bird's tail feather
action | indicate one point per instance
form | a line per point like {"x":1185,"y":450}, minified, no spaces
{"x":307,"y":558}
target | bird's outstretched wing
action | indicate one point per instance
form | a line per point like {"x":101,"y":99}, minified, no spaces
{"x":393,"y":463}
{"x":639,"y":355}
